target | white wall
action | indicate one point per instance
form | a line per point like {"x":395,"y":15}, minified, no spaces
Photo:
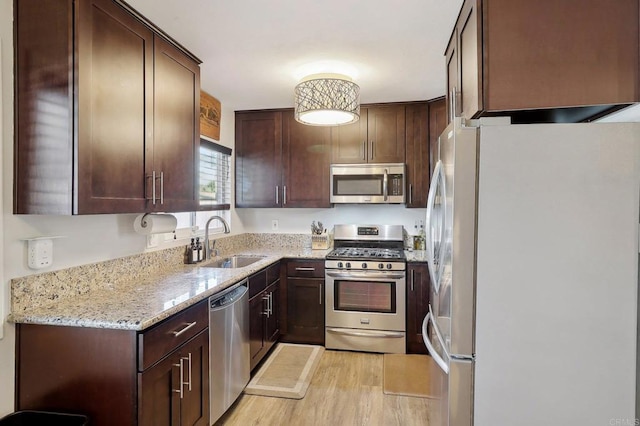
{"x":299,"y":220}
{"x":96,"y":238}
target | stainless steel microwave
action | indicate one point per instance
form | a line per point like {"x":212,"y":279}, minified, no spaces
{"x":382,"y":183}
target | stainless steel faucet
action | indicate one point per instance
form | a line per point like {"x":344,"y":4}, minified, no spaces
{"x":208,"y":250}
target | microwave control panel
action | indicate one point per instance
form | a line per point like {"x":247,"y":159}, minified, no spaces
{"x":395,"y":185}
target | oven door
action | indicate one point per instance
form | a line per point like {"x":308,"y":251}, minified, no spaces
{"x":372,"y":300}
{"x":365,"y":311}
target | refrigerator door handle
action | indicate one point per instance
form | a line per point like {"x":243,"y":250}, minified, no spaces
{"x":434,"y":269}
{"x":432,"y":351}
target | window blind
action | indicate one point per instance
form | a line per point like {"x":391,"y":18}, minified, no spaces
{"x":214,"y":176}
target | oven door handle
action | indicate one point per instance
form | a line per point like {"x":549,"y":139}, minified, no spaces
{"x":366,"y":333}
{"x":373,"y":275}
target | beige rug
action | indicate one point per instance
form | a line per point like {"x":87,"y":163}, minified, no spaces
{"x":287,"y":372}
{"x":410,"y":375}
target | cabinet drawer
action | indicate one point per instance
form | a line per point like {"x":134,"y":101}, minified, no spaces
{"x":305,"y":268}
{"x":273,"y":273}
{"x":160,"y":340}
{"x":257,"y":283}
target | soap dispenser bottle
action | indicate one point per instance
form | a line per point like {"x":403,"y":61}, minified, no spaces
{"x":199,"y":248}
{"x":194,"y":251}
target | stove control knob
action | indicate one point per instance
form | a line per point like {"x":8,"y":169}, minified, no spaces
{"x":364,"y":266}
{"x":380,"y":265}
{"x":340,"y":265}
{"x":348,"y":265}
{"x":389,"y":266}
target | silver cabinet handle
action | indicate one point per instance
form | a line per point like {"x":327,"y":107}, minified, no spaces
{"x":265,"y":298}
{"x":271,"y":303}
{"x":181,"y":381}
{"x":277,"y":188}
{"x":153,"y":189}
{"x":410,"y":193}
{"x":364,"y":150}
{"x":188,"y":326}
{"x":284,"y":194}
{"x":413,"y":278}
{"x":320,"y":293}
{"x":371,"y":153}
{"x":161,"y":187}
{"x":187,"y":358}
{"x":305,"y":269}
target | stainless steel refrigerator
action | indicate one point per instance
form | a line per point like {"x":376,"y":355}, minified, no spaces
{"x":532,"y":235}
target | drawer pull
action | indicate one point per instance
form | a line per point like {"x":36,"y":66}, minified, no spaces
{"x":189,"y":325}
{"x":305,"y":269}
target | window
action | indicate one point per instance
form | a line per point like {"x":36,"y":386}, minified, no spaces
{"x":214,"y":183}
{"x":214,"y":179}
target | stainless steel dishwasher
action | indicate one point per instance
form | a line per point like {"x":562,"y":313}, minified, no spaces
{"x":229,"y":358}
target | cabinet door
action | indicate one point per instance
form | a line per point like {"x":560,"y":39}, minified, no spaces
{"x":564,"y":53}
{"x":175,"y":392}
{"x":159,"y":397}
{"x":417,"y":148}
{"x":453,"y":84}
{"x":257,"y":307}
{"x":417,"y":306}
{"x":469,"y":30}
{"x":306,"y":154}
{"x":305,"y":310}
{"x":258,"y":159}
{"x":437,"y":124}
{"x":194,"y":406}
{"x":176,"y":127}
{"x":272,"y":320}
{"x":386,"y":134}
{"x":115,"y":112}
{"x":349,"y":142}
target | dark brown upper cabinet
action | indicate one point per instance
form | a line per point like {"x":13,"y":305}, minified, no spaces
{"x":424,"y":123}
{"x":543,"y":61}
{"x":377,"y":137}
{"x":120,"y":137}
{"x":280,"y":162}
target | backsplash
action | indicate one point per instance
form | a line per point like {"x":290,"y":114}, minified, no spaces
{"x":78,"y":280}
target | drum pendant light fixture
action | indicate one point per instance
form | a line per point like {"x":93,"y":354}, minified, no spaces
{"x":327,"y":100}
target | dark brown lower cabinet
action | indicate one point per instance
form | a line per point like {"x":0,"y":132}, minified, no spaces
{"x":305,"y":302}
{"x":159,"y":376}
{"x":175,"y":391}
{"x":306,"y":310}
{"x":264,"y":324}
{"x":418,"y":284}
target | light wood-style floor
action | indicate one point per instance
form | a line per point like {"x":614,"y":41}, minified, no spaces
{"x":346,"y":390}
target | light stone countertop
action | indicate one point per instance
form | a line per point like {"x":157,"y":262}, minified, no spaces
{"x":416,"y":255}
{"x":139,"y":304}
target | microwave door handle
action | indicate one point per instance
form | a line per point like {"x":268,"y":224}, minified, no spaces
{"x":385,"y":184}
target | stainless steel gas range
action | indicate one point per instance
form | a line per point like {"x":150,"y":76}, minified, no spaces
{"x":365,"y":289}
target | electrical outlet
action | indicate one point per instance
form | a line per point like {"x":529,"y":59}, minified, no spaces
{"x":40,"y":253}
{"x":153,"y":240}
{"x":274,"y":225}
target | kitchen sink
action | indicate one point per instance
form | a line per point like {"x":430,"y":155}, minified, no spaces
{"x":239,"y":261}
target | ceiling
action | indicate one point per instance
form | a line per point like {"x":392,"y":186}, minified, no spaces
{"x":252,"y":50}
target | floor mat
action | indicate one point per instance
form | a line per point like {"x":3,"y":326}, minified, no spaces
{"x":410,"y":375}
{"x":287,"y":372}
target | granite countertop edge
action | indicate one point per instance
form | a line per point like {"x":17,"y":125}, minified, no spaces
{"x":139,"y":306}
